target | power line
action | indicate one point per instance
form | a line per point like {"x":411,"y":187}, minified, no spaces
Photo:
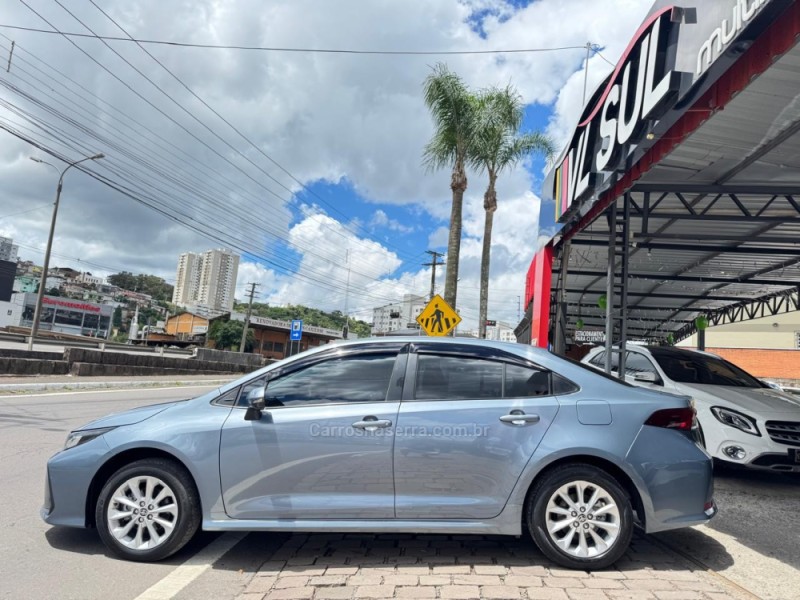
{"x":295,"y":50}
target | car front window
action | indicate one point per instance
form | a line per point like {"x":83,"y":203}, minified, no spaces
{"x":702,"y":369}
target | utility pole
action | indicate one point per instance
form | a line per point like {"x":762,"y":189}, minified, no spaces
{"x":346,"y":330}
{"x":586,"y":70}
{"x":433,"y":264}
{"x":252,"y":293}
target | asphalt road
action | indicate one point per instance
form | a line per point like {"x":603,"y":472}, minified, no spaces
{"x":753,"y":541}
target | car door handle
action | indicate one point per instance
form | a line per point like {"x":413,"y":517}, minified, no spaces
{"x":517,"y":417}
{"x":372,"y":423}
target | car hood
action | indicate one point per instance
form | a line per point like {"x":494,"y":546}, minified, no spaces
{"x":759,"y":401}
{"x":130,"y":417}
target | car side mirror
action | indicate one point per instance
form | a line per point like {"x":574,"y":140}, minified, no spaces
{"x":646,"y":377}
{"x":255,"y":403}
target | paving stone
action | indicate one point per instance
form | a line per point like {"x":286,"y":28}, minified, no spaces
{"x":490,"y":569}
{"x":603,"y":584}
{"x":327,"y":580}
{"x":271,"y":566}
{"x":608,"y":575}
{"x":246,"y":596}
{"x":375,"y":591}
{"x":416,"y":592}
{"x":334,"y":593}
{"x":585,"y":594}
{"x":291,"y":582}
{"x":555,"y":572}
{"x":500,"y":592}
{"x":477,"y":580}
{"x":341,"y":570}
{"x":536,"y":570}
{"x":563,"y":582}
{"x":674,"y":575}
{"x":629,"y":595}
{"x":401,"y":579}
{"x":547,"y":594}
{"x":413,"y":570}
{"x":434,"y":579}
{"x":451,"y":570}
{"x":356,"y":580}
{"x":260,"y":585}
{"x":523,"y":580}
{"x":460,"y":592}
{"x":680,"y":595}
{"x":304,"y":570}
{"x":697,"y":586}
{"x":291,"y":594}
{"x":649,"y":584}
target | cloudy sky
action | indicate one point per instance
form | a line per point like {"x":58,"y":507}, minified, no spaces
{"x":307,"y":164}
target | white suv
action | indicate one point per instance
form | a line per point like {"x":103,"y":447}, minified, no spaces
{"x":742,"y":420}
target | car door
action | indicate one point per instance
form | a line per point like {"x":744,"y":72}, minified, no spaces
{"x":322,"y":448}
{"x":468,"y":424}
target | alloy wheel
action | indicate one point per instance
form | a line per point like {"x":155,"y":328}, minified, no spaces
{"x":582,"y":519}
{"x":142,"y":513}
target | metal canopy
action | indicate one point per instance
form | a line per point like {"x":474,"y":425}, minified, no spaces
{"x":714,"y":226}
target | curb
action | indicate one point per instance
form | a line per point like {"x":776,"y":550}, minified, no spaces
{"x":21,"y":388}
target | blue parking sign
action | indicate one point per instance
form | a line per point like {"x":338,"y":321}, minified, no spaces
{"x":297,"y":330}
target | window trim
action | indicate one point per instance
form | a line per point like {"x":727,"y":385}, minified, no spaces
{"x":397,"y":372}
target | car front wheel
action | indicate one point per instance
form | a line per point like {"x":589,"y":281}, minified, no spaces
{"x":580,"y":517}
{"x":148,"y":510}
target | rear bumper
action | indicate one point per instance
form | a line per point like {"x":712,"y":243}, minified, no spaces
{"x":677,"y":477}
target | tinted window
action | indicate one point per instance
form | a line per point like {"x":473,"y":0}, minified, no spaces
{"x":457,"y":378}
{"x":698,"y":368}
{"x":524,"y":382}
{"x":599,"y":360}
{"x":562,"y":386}
{"x":638,"y":363}
{"x":339,"y":380}
{"x":248,"y":387}
{"x":594,"y":371}
{"x":228,"y":398}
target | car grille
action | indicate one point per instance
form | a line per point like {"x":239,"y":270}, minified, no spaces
{"x":784,"y":432}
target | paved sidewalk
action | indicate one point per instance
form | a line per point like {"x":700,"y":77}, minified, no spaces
{"x":337,"y":566}
{"x":40,"y":383}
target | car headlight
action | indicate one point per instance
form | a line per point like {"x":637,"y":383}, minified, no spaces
{"x":76,"y":438}
{"x":735,"y":419}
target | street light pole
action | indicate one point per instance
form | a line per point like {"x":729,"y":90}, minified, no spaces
{"x":46,"y":266}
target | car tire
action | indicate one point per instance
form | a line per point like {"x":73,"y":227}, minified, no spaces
{"x":148,"y":510}
{"x":596,"y":531}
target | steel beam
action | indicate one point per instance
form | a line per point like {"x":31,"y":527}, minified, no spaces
{"x":668,"y":296}
{"x":691,"y":279}
{"x":576,"y":241}
{"x":730,"y":188}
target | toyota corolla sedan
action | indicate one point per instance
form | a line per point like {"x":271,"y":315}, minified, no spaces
{"x":742,"y":420}
{"x":393,"y":435}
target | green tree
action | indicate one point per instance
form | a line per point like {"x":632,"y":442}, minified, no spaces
{"x":116,"y":319}
{"x":452,"y":108}
{"x":497,"y":145}
{"x":54,"y":292}
{"x":228,"y":334}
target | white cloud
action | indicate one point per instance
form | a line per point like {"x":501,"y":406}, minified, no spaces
{"x":351,"y":119}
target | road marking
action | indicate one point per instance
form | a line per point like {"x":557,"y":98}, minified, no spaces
{"x":195,"y":566}
{"x":112,"y":390}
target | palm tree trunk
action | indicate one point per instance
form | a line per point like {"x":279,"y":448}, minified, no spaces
{"x":490,"y":206}
{"x":458,"y":183}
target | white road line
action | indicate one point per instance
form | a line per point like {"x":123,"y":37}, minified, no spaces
{"x":113,"y":391}
{"x":198,"y":564}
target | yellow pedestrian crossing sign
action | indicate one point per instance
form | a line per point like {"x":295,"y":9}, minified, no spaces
{"x":438,"y":318}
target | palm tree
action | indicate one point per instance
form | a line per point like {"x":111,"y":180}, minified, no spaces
{"x":498,"y":145}
{"x":452,"y":108}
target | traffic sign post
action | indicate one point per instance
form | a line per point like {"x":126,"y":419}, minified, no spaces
{"x":296,"y":334}
{"x":438,"y":318}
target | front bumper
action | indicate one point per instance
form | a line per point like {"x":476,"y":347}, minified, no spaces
{"x":67,"y":484}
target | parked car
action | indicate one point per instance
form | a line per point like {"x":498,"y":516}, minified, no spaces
{"x":394,"y":435}
{"x":742,"y":419}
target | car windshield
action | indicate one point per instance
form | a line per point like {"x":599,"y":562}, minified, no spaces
{"x":690,"y":367}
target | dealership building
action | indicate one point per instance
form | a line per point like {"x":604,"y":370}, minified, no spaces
{"x":60,"y":315}
{"x":676,"y":200}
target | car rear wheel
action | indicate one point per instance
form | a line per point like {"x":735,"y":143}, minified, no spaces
{"x":148,"y":510}
{"x":580,"y":517}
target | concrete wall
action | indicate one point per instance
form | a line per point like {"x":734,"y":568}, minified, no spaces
{"x":778,"y":332}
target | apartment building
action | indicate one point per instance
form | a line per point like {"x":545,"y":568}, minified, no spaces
{"x":206,"y":279}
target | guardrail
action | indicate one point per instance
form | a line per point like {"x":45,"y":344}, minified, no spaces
{"x":99,"y":345}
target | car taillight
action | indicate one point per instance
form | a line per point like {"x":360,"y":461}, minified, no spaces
{"x":681,"y":419}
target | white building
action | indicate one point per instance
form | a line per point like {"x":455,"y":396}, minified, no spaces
{"x":207,"y":280}
{"x":501,"y":332}
{"x":90,"y":279}
{"x":400,"y":315}
{"x":8,"y":250}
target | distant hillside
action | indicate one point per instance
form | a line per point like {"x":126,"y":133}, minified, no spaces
{"x":146,"y":284}
{"x":310,"y":316}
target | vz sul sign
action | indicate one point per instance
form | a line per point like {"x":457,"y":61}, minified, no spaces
{"x":642,"y":88}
